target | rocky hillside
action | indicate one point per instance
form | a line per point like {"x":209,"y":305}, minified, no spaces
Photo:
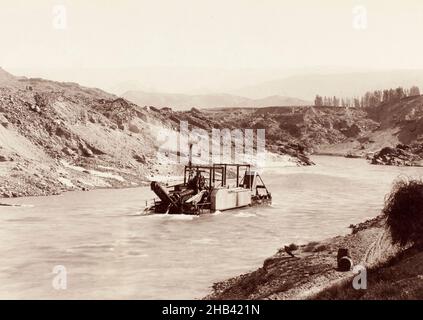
{"x":325,"y":130}
{"x":301,"y":128}
{"x":398,"y":124}
{"x":61,"y":136}
{"x":404,"y":116}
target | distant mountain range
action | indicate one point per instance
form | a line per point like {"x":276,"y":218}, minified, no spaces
{"x":185,"y":101}
{"x":280,"y":92}
{"x":198,"y":84}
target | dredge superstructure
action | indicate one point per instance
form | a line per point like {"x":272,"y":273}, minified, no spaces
{"x":207,"y":189}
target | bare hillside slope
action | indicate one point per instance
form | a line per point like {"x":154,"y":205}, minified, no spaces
{"x":61,"y":136}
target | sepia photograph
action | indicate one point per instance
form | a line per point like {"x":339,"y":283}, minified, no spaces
{"x":209,"y":154}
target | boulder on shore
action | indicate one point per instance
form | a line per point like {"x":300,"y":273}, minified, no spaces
{"x":401,"y":155}
{"x":298,"y":151}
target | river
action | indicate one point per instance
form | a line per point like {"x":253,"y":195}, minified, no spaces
{"x":109,"y":251}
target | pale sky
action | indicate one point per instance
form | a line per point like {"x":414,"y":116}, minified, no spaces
{"x":226,"y":34}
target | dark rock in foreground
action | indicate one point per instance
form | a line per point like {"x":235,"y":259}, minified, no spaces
{"x":401,"y":155}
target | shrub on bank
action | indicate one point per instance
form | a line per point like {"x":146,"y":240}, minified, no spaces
{"x":404,"y":212}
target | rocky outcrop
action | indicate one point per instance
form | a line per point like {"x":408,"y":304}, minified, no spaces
{"x":133,"y":128}
{"x":3,"y":121}
{"x":401,"y":155}
{"x":297,"y":151}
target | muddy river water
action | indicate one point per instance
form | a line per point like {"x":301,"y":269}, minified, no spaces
{"x":109,"y":251}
